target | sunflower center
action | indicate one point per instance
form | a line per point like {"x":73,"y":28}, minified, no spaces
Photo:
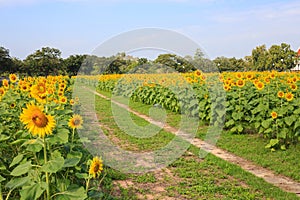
{"x":96,"y":168}
{"x":76,"y":122}
{"x":39,"y":119}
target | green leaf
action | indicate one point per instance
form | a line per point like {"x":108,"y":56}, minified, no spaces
{"x":266,"y":123}
{"x":32,"y":192}
{"x":82,"y":175}
{"x":34,"y":145}
{"x":240,"y":128}
{"x":73,"y":194}
{"x":71,"y":162}
{"x":63,"y":135}
{"x":4,"y":138}
{"x":16,"y":160}
{"x":21,"y":169}
{"x":2,"y":178}
{"x":17,"y":182}
{"x":54,"y":165}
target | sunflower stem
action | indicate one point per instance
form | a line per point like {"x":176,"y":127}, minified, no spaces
{"x":87,"y":185}
{"x":46,"y":173}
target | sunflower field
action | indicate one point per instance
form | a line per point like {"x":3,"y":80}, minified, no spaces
{"x":42,"y":156}
{"x":254,"y":102}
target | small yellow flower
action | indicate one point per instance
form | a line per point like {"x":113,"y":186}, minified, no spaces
{"x":13,"y":78}
{"x":274,"y":114}
{"x":280,"y":94}
{"x":75,"y":122}
{"x":96,"y":167}
{"x":289,"y":96}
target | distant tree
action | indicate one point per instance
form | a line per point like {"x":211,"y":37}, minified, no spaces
{"x":176,"y":62}
{"x":277,"y":57}
{"x":281,"y":57}
{"x":259,"y":58}
{"x":73,"y":63}
{"x":6,"y":63}
{"x":44,"y":62}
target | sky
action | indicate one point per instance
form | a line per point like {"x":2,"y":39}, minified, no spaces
{"x":230,"y":28}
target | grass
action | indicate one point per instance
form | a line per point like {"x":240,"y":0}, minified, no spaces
{"x":249,"y":146}
{"x":189,"y":176}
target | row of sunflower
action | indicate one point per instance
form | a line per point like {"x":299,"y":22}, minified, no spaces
{"x":42,"y":156}
{"x":262,"y":102}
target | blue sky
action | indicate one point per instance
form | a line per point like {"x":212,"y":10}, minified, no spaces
{"x":230,"y":28}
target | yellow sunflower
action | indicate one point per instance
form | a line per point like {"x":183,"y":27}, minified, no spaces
{"x":75,"y":122}
{"x":39,"y":92}
{"x":289,"y":96}
{"x":63,"y":99}
{"x":260,"y":85}
{"x":96,"y":167}
{"x":13,"y":78}
{"x":36,"y":121}
{"x":293,"y":87}
{"x":72,"y":102}
{"x":274,"y":114}
{"x":280,"y":94}
{"x":226,"y":87}
{"x":2,"y":91}
{"x":240,"y":83}
{"x":5,"y":83}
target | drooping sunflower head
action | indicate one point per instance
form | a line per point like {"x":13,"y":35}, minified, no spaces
{"x":2,"y":91}
{"x":36,"y":121}
{"x":5,"y":83}
{"x":274,"y":114}
{"x":96,"y":167}
{"x":75,"y":122}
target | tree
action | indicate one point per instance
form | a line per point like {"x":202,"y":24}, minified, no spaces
{"x":277,"y":57}
{"x":73,"y":64}
{"x":175,"y":62}
{"x":6,"y":64}
{"x":44,"y":62}
{"x":281,"y":57}
{"x":259,"y":58}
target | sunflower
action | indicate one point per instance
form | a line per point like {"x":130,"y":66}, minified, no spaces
{"x":274,"y":114}
{"x":2,"y":91}
{"x":63,"y":100}
{"x":260,"y":85}
{"x":12,"y":105}
{"x":280,"y":94}
{"x":5,"y":83}
{"x":198,"y":73}
{"x":227,"y":87}
{"x":72,"y":102}
{"x":240,"y":83}
{"x":39,"y":92}
{"x":36,"y":121}
{"x":96,"y":167}
{"x":75,"y":122}
{"x":13,"y":78}
{"x":293,"y":87}
{"x":289,"y":96}
{"x":239,"y":75}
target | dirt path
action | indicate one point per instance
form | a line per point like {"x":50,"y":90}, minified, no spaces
{"x":269,"y":176}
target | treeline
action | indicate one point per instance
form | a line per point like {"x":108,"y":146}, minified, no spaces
{"x":48,"y":61}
